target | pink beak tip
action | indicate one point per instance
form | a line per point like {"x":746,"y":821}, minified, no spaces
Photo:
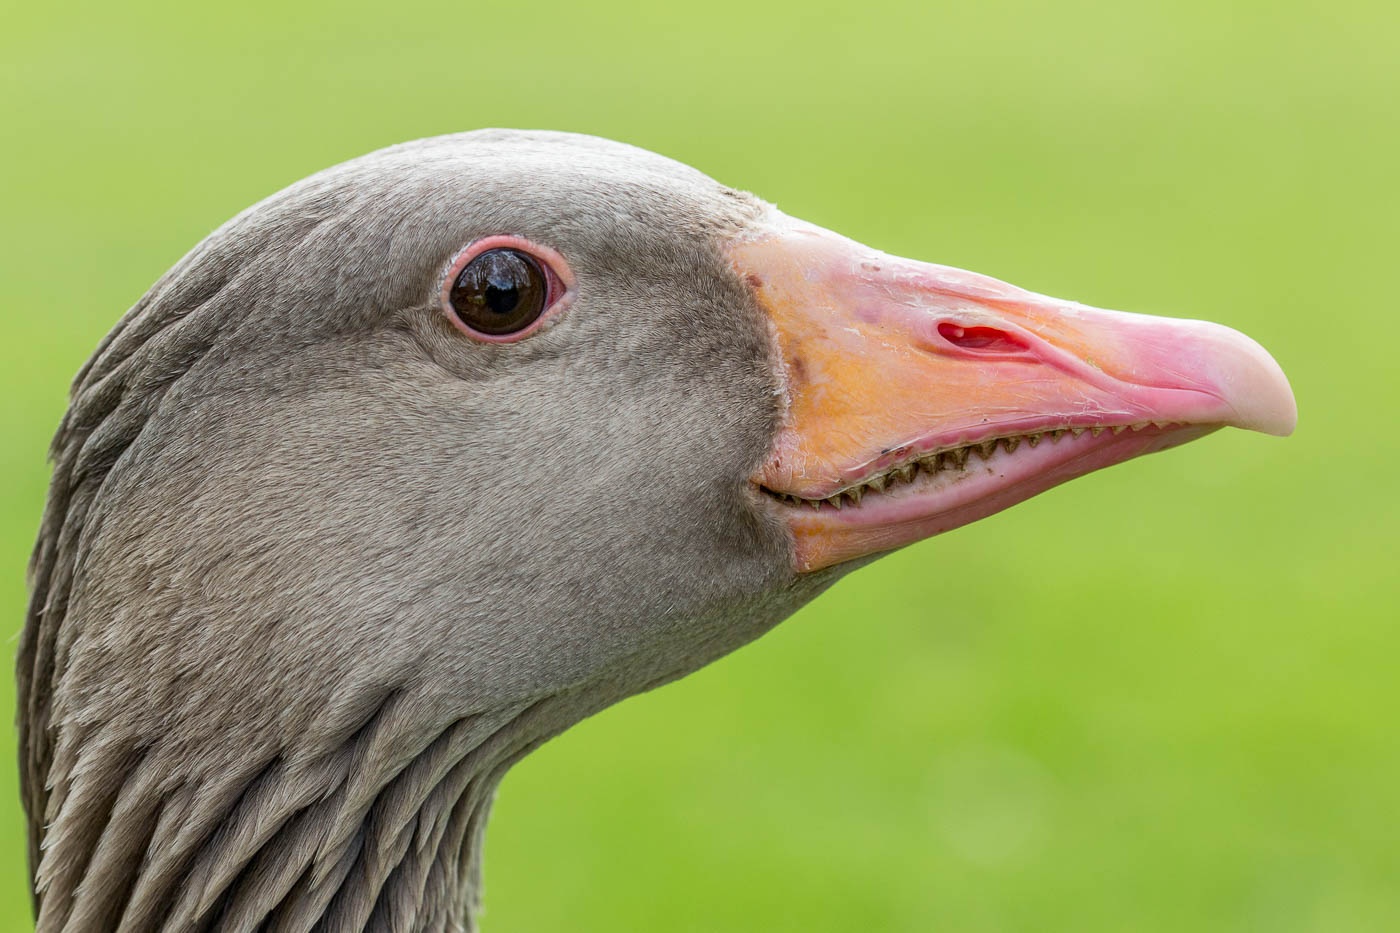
{"x":1252,"y":384}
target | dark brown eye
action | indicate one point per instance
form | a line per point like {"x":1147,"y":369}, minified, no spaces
{"x":499,"y":292}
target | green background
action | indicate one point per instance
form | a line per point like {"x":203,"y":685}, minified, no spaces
{"x":1162,"y":698}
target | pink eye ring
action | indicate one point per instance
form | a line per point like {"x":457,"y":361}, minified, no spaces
{"x":503,"y":288}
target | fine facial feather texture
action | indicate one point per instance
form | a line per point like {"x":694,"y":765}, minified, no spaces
{"x":315,"y":570}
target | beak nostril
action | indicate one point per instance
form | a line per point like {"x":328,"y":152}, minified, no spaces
{"x":985,"y":339}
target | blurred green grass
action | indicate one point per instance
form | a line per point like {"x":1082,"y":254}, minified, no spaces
{"x":1162,"y":698}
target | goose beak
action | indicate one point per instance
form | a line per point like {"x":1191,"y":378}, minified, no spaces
{"x":922,"y":397}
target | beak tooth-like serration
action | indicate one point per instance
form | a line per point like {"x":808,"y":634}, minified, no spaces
{"x":956,"y":459}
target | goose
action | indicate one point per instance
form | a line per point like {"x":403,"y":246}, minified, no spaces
{"x":417,"y":463}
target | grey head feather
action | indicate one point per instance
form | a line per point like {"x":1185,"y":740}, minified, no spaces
{"x":315,"y":570}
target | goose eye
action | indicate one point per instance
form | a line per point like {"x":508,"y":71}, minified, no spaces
{"x":499,"y":292}
{"x":503,"y":288}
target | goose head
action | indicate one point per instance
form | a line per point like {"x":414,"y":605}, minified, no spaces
{"x":414,"y":464}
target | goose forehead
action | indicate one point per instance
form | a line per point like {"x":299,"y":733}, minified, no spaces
{"x":538,"y":178}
